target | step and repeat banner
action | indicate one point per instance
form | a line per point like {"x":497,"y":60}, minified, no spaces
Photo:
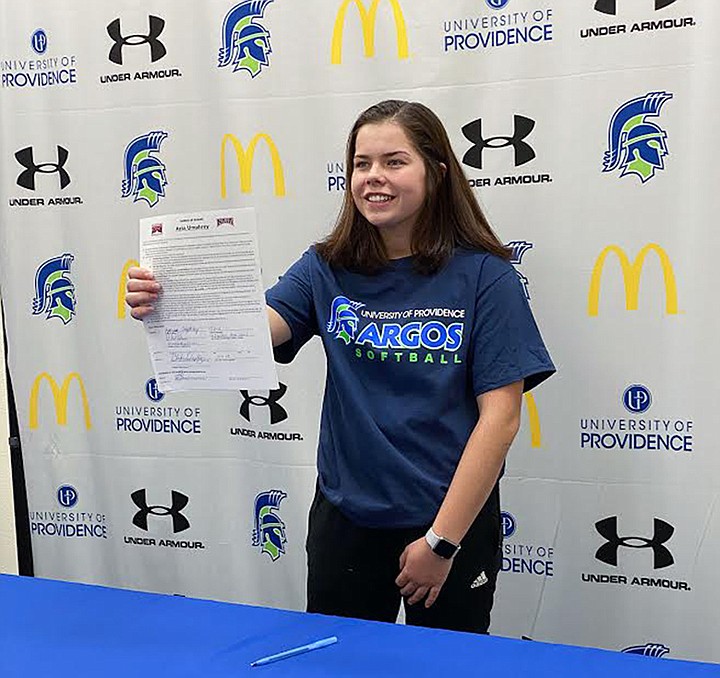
{"x":588,"y":130}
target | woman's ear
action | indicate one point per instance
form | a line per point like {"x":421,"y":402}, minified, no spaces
{"x":443,"y":168}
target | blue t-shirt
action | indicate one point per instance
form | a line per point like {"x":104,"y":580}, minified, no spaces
{"x":407,"y":354}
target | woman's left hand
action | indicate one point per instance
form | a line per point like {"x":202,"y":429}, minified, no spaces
{"x":422,"y":573}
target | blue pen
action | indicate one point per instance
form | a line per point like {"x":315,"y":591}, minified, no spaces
{"x":295,"y":650}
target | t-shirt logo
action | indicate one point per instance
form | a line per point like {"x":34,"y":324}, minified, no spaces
{"x":343,"y":322}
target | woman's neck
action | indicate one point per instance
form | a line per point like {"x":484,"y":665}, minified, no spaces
{"x":397,"y":244}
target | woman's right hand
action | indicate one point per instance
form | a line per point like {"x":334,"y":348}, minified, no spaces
{"x":142,"y":290}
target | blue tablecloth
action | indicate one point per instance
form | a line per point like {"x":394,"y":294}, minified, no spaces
{"x":50,"y":628}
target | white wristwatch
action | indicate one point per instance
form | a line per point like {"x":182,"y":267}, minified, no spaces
{"x":441,"y":546}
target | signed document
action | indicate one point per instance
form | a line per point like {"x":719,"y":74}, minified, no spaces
{"x":210,"y":328}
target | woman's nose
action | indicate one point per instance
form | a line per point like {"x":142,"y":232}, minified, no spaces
{"x":374,"y":172}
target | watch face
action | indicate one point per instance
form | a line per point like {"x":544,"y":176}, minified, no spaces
{"x":445,"y":549}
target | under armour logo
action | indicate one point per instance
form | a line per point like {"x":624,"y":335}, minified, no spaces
{"x":26,"y":178}
{"x":179,"y":502}
{"x":523,"y":151}
{"x":277,"y":411}
{"x":157,"y":49}
{"x":608,"y":553}
{"x":610,"y":6}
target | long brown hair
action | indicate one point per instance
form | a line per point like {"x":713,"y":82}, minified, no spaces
{"x":450,"y":216}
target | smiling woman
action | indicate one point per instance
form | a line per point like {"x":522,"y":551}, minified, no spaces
{"x":388,"y":184}
{"x":430,"y":343}
{"x":408,"y":194}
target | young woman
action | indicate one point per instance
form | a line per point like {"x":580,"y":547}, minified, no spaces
{"x":430,"y":344}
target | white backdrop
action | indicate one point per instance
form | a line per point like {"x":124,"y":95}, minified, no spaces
{"x":528,"y":91}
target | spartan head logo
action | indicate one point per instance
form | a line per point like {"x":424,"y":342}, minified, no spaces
{"x":343,"y":322}
{"x":648,"y":650}
{"x":245,"y":43}
{"x":519,"y":248}
{"x":269,"y":531}
{"x":54,"y":292}
{"x":144,"y":176}
{"x":636,"y":145}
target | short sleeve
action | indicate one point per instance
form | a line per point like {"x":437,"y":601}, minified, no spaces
{"x":506,"y":342}
{"x":292,"y":298}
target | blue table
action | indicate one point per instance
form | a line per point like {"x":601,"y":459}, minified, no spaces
{"x":50,"y":628}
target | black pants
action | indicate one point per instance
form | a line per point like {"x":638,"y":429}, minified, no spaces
{"x":352,"y":570}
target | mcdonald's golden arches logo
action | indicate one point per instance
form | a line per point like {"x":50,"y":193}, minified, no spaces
{"x":245,"y":163}
{"x":534,"y":417}
{"x":60,"y":397}
{"x":368,"y":20}
{"x":121,"y":307}
{"x":632,"y":272}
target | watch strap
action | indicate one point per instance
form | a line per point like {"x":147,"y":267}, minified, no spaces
{"x":441,"y":546}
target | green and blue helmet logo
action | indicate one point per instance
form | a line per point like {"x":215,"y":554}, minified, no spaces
{"x":144,"y":174}
{"x":269,"y":531}
{"x":54,"y":291}
{"x":648,"y":650}
{"x":636,"y":145}
{"x":245,"y":43}
{"x":343,"y":322}
{"x":519,"y":248}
